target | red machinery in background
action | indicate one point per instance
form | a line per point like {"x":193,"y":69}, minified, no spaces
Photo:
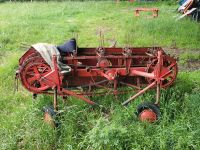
{"x":106,"y":68}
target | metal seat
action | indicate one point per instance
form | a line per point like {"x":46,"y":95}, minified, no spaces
{"x":68,"y":47}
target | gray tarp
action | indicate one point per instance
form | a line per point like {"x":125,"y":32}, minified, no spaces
{"x":47,"y":51}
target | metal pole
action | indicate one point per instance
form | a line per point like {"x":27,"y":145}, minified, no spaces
{"x":138,"y":94}
{"x":157,"y":94}
{"x":55,"y":99}
{"x":158,"y":73}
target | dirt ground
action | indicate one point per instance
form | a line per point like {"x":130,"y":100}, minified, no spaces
{"x":186,"y":64}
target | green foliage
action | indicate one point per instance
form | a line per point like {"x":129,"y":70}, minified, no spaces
{"x":188,"y":56}
{"x":52,"y":0}
{"x":56,"y":22}
{"x":105,"y":135}
{"x":82,"y":126}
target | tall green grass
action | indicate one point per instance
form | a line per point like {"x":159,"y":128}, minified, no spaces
{"x":84,"y":127}
{"x":56,"y":22}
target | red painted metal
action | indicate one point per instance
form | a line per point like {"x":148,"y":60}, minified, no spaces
{"x":117,"y":1}
{"x":148,"y":115}
{"x":31,"y":72}
{"x":153,"y":10}
{"x":49,"y":119}
{"x":106,"y":68}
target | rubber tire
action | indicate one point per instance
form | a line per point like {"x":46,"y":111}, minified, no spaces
{"x":149,"y":105}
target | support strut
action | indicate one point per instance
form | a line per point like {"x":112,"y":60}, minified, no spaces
{"x":78,"y":96}
{"x":138,"y":94}
{"x":157,"y":94}
{"x":55,"y":99}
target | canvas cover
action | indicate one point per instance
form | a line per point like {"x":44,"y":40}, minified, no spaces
{"x":47,"y":51}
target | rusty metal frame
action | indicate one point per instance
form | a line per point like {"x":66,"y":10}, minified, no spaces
{"x":137,"y":63}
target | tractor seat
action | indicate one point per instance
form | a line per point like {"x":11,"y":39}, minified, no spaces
{"x":68,"y":47}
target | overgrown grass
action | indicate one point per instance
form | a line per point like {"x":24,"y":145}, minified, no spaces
{"x":83,"y":127}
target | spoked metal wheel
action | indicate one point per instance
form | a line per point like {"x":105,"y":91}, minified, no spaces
{"x":32,"y":70}
{"x":168,"y":71}
{"x":148,"y":112}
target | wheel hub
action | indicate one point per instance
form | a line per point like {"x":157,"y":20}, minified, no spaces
{"x":148,"y":115}
{"x":31,"y":73}
{"x":168,"y":71}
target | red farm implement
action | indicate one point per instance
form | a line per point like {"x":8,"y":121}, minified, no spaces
{"x":100,"y":68}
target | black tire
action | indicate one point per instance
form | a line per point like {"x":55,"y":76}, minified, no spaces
{"x":148,"y":105}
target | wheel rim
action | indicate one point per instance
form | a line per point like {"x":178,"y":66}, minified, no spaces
{"x":169,"y":66}
{"x":49,"y":119}
{"x":148,"y":115}
{"x":148,"y":111}
{"x":31,"y":73}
